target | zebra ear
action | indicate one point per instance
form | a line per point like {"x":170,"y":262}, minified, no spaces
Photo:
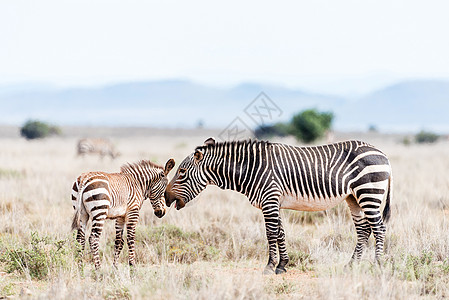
{"x":198,"y":155}
{"x":209,"y":141}
{"x":169,"y":165}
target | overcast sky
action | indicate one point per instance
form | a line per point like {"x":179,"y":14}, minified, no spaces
{"x":340,"y":46}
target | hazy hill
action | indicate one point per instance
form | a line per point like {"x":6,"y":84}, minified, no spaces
{"x":410,"y":105}
{"x":163,"y":103}
{"x":406,"y":106}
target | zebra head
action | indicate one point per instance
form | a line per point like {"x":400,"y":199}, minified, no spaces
{"x":190,"y":178}
{"x":156,"y":191}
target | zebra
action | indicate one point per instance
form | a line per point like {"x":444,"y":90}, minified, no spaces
{"x":99,"y":196}
{"x":275,"y":176}
{"x":101,"y":147}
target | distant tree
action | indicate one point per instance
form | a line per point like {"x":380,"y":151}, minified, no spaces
{"x":268,"y":131}
{"x":311,"y":124}
{"x":36,"y":129}
{"x":426,"y":137}
{"x":372,"y":128}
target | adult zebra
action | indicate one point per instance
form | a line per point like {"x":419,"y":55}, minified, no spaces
{"x":275,"y":176}
{"x":101,"y":147}
{"x":99,"y":196}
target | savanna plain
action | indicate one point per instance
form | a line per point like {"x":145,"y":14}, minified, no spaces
{"x":215,"y":248}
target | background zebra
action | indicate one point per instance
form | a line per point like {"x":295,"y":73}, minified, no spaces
{"x":275,"y":176}
{"x":99,"y":196}
{"x":101,"y":147}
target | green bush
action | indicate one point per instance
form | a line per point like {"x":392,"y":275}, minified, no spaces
{"x":268,"y":131}
{"x":43,"y":255}
{"x":37,"y":129}
{"x":306,"y":126}
{"x":311,"y":124}
{"x":426,"y":137}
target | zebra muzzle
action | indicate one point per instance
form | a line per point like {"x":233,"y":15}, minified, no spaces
{"x":179,"y":204}
{"x":159,"y":213}
{"x":170,"y":197}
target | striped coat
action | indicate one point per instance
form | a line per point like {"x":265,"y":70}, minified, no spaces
{"x":102,"y":147}
{"x":275,"y":176}
{"x":99,"y":196}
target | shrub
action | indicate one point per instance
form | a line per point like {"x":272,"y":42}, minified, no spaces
{"x":426,"y":137}
{"x":37,"y":129}
{"x":43,"y":255}
{"x":268,"y":131}
{"x":311,"y":124}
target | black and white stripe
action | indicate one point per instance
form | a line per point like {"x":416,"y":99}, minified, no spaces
{"x":276,"y":176}
{"x":102,"y":147}
{"x":99,"y":196}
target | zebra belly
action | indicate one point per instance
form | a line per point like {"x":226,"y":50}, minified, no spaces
{"x":115,"y":212}
{"x":303,"y":204}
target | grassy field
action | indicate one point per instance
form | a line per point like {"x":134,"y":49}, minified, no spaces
{"x":215,"y":248}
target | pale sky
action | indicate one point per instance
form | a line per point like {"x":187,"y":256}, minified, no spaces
{"x":330,"y":46}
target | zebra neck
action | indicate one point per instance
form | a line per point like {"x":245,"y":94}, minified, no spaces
{"x":236,"y":166}
{"x":143,"y":182}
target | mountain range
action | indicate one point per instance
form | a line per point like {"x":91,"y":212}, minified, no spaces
{"x":406,"y":106}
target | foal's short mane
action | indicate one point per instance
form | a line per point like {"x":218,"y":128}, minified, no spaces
{"x":129,"y":167}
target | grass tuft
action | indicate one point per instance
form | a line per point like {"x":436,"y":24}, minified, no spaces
{"x":300,"y":260}
{"x":172,"y":244}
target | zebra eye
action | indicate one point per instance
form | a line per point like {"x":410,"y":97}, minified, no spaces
{"x":182,"y":171}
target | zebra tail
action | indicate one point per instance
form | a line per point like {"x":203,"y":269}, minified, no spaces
{"x":387,"y":210}
{"x":77,"y":217}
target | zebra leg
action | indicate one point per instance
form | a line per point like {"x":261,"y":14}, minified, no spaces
{"x":371,"y":208}
{"x":94,"y":238}
{"x":270,"y":212}
{"x":132,"y":218}
{"x":379,"y":229}
{"x":362,"y":227}
{"x":119,"y":225}
{"x":283,"y":255}
{"x":81,"y":237}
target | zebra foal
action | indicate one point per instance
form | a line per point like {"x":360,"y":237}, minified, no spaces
{"x":99,"y":196}
{"x":275,"y":176}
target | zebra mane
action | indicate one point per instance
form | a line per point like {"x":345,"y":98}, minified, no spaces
{"x":130,"y":167}
{"x":232,"y":143}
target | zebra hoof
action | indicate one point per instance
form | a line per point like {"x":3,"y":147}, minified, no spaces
{"x":280,"y":271}
{"x":269,"y":270}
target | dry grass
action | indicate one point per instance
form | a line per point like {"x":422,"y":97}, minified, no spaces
{"x":215,"y":247}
